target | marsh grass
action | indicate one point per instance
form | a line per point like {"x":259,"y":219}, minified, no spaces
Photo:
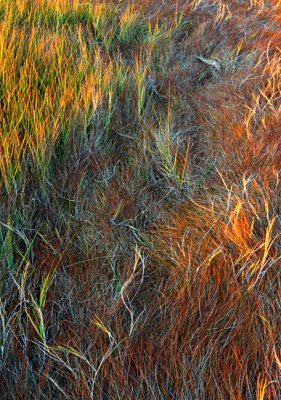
{"x":140,"y":213}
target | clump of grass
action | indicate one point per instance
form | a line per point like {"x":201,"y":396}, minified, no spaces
{"x":171,"y":157}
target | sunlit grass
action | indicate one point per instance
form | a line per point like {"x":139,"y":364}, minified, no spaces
{"x":57,"y":70}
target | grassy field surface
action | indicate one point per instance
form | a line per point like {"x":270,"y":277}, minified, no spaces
{"x":140,"y":161}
